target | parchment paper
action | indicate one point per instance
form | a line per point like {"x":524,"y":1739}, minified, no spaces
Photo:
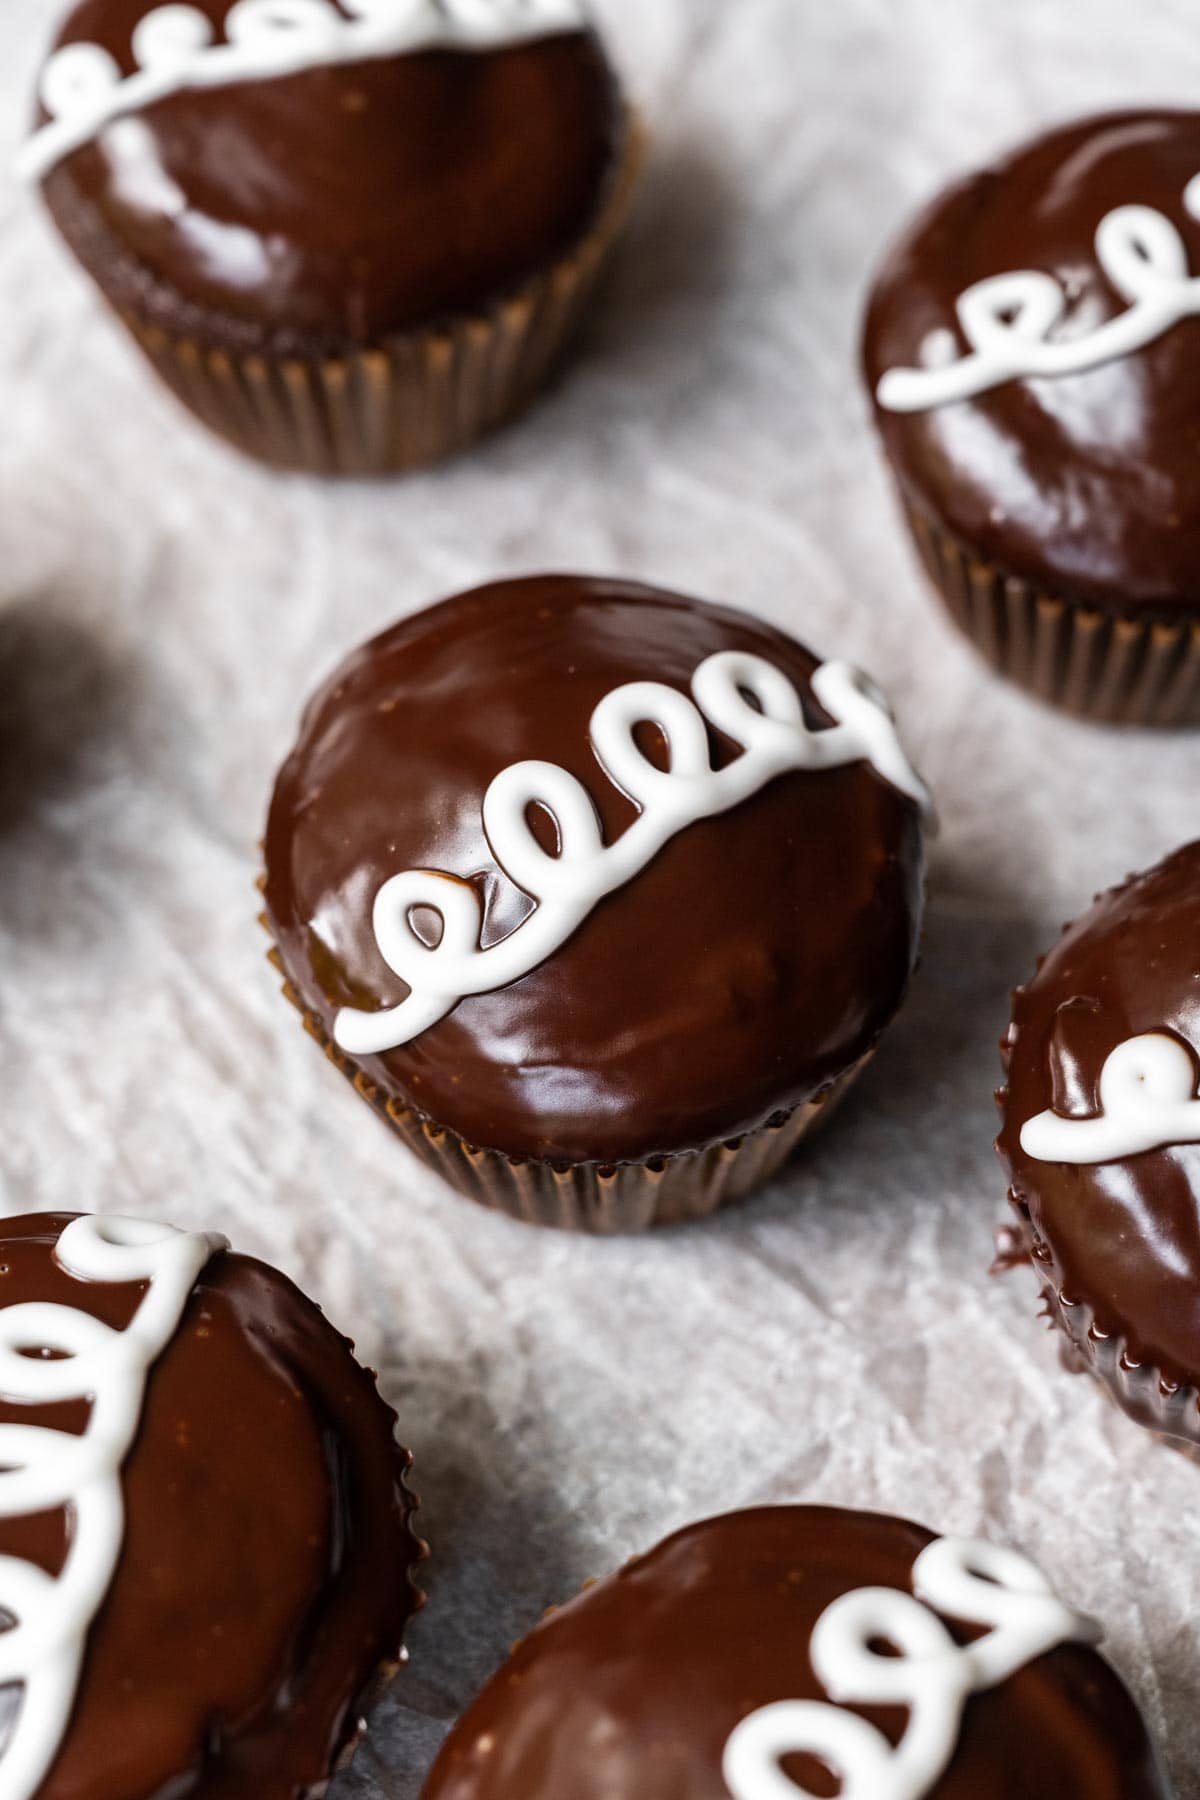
{"x":164,"y":610}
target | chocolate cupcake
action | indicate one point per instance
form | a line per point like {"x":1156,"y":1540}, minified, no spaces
{"x":1101,"y":1139}
{"x":351,"y":235}
{"x":785,"y":1651}
{"x":206,"y":1547}
{"x":615,"y":984}
{"x":1033,"y":346}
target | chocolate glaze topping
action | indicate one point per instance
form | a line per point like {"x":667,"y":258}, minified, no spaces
{"x":1088,"y":484}
{"x":339,"y":205}
{"x":635,"y":1687}
{"x":1119,"y":1240}
{"x":755,"y":959}
{"x":264,"y":1579}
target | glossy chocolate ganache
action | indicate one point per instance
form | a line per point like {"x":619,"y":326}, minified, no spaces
{"x":1101,"y":1137}
{"x":1086,"y":482}
{"x":262,"y":1548}
{"x":753,"y":960}
{"x":347,"y":201}
{"x":686,"y":1677}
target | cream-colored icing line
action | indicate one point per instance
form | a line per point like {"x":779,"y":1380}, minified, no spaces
{"x":176,"y":48}
{"x":1148,"y":1101}
{"x":1008,"y":319}
{"x":932,"y":1676}
{"x":43,"y":1469}
{"x":774,"y":739}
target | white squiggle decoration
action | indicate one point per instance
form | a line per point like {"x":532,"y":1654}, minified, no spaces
{"x":42,"y":1469}
{"x":1008,"y":319}
{"x":175,"y":47}
{"x":775,"y":740}
{"x":932,"y":1675}
{"x":1148,"y":1100}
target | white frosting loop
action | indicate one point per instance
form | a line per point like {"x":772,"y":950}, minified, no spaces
{"x":43,"y":1469}
{"x":168,"y":37}
{"x":774,"y":740}
{"x":79,"y":79}
{"x":1148,"y":1101}
{"x":83,"y":90}
{"x":928,"y":1673}
{"x":1008,"y":319}
{"x":284,"y":27}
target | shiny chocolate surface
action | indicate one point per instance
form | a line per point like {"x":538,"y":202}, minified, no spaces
{"x":264,"y":1578}
{"x":635,"y":1687}
{"x":1087,"y":484}
{"x":754,"y":960}
{"x":1120,"y":1238}
{"x":340,"y":204}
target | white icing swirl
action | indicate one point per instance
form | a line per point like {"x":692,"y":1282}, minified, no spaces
{"x":1008,"y":319}
{"x":42,"y":1469}
{"x":775,"y":740}
{"x":1148,"y":1101}
{"x":931,"y":1675}
{"x":175,"y":47}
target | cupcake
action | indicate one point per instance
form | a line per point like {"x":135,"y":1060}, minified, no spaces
{"x":1033,"y":348}
{"x":600,"y":895}
{"x":1101,"y":1140}
{"x":351,"y":235}
{"x":189,"y":1451}
{"x":807,"y":1651}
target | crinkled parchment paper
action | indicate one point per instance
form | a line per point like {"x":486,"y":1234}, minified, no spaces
{"x":164,"y":609}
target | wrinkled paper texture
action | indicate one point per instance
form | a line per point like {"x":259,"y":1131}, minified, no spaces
{"x":164,"y":610}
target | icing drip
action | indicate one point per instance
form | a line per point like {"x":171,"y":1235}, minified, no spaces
{"x":175,"y":47}
{"x":1148,"y":1100}
{"x":932,"y":1676}
{"x":775,"y":740}
{"x":1008,"y":319}
{"x":44,"y":1469}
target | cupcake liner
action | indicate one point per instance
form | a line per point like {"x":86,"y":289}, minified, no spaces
{"x":411,"y":400}
{"x":605,"y":1200}
{"x":1114,"y":670}
{"x":1169,"y":1409}
{"x":384,"y":1676}
{"x":387,"y":1671}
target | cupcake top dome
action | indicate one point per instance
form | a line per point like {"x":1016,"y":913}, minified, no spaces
{"x":1101,"y":1124}
{"x":740,"y":1661}
{"x":188,"y":1447}
{"x":1033,"y":345}
{"x":524,"y":915}
{"x":333,"y":171}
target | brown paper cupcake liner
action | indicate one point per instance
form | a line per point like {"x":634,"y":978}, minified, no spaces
{"x":385,"y":1675}
{"x":387,"y":1671}
{"x":411,"y":400}
{"x":1114,"y":670}
{"x":1167,"y":1408}
{"x":605,"y":1200}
